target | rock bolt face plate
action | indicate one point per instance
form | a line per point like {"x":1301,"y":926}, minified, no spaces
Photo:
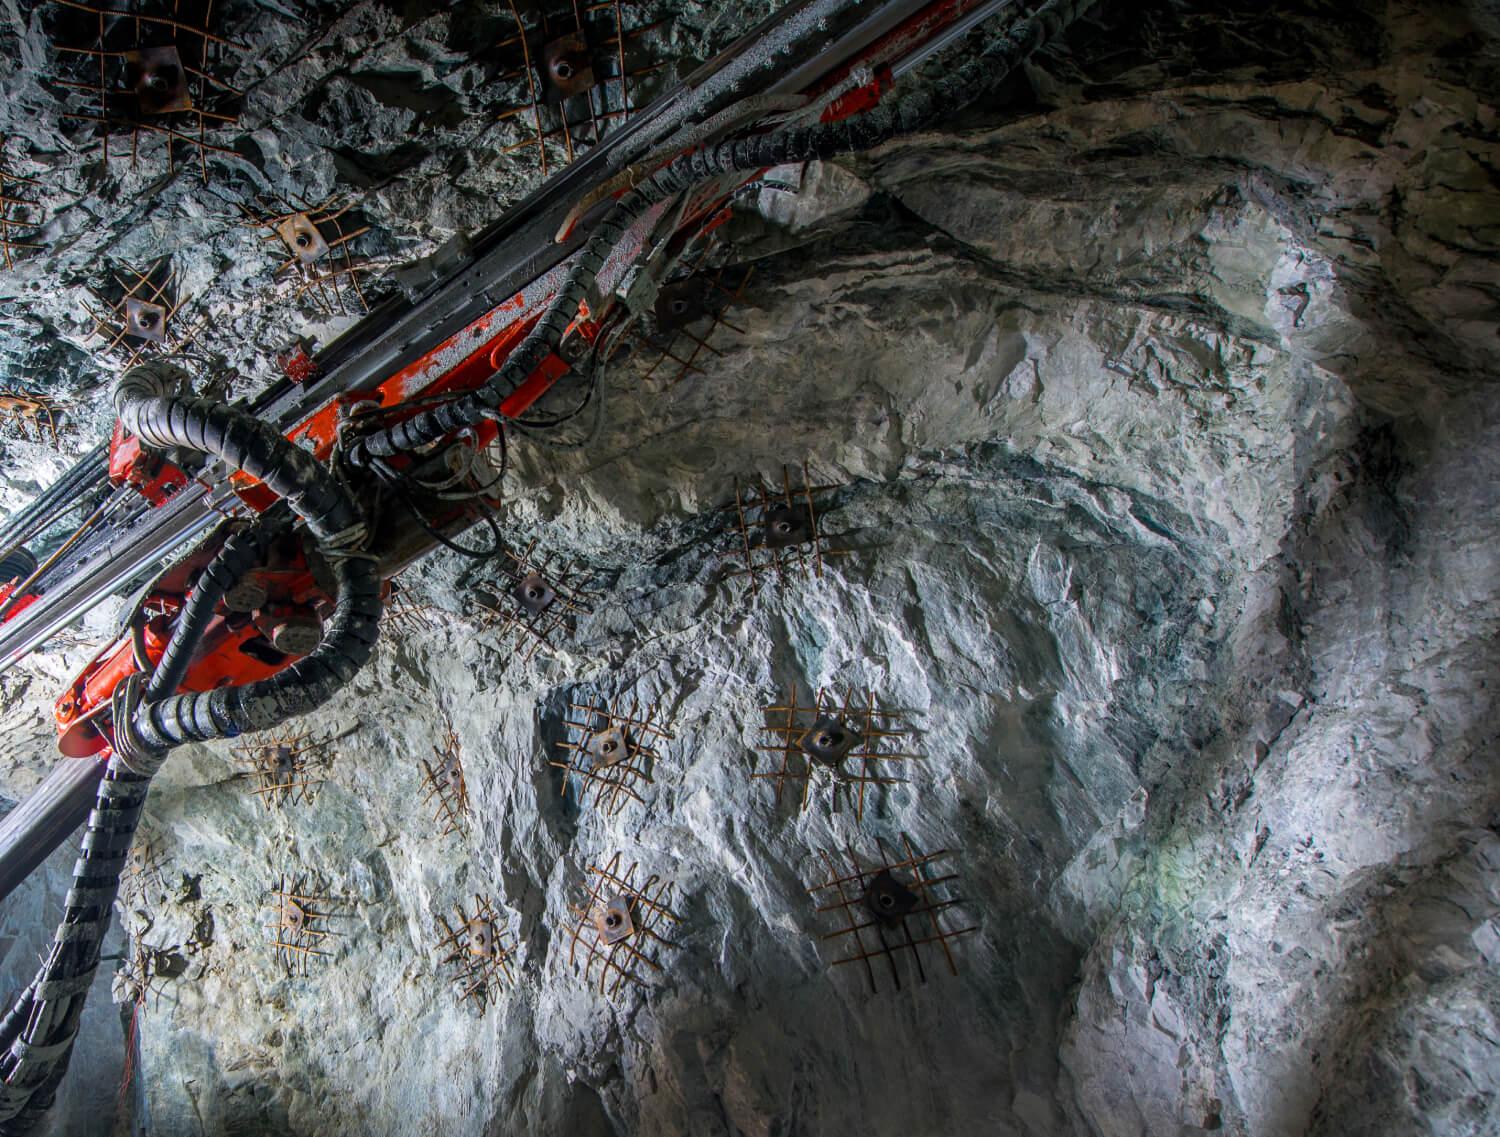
{"x":888,"y":899}
{"x":609,"y":746}
{"x":533,"y":593}
{"x":293,"y":915}
{"x":567,"y":67}
{"x":156,"y":77}
{"x":301,"y":236}
{"x":284,"y":766}
{"x":613,"y":920}
{"x":453,"y":772}
{"x":829,"y":741}
{"x":787,"y":525}
{"x":145,"y":320}
{"x":483,"y":941}
{"x":678,"y":305}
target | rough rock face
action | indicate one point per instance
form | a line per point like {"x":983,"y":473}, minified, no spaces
{"x":1156,"y":393}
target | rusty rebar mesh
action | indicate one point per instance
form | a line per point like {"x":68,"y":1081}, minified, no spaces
{"x":148,"y":69}
{"x":142,"y":875}
{"x":405,"y":613}
{"x":123,"y":305}
{"x":759,"y":507}
{"x":302,"y":932}
{"x":443,"y":782}
{"x":611,"y":752}
{"x":473,"y":947}
{"x":603,"y":47}
{"x":691,"y":311}
{"x":633,"y":958}
{"x":872,"y":760}
{"x":534,"y":624}
{"x":145,"y":974}
{"x":285,"y":768}
{"x":17,"y":220}
{"x":317,"y":244}
{"x":917,"y":929}
{"x":31,"y":413}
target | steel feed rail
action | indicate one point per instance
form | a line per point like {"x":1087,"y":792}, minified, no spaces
{"x":786,"y":53}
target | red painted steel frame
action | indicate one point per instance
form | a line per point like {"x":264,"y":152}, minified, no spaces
{"x":460,"y":364}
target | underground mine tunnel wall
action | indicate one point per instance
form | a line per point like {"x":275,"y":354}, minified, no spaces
{"x":1159,"y":408}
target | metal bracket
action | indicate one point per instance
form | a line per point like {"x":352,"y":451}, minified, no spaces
{"x":613,"y":920}
{"x":829,"y":741}
{"x":156,"y":76}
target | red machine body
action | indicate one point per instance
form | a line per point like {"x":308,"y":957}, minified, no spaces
{"x":131,"y":464}
{"x":240,"y":645}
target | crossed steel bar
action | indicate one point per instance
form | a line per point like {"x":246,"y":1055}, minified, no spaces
{"x":322,"y":283}
{"x":283,"y":780}
{"x":479,"y":976}
{"x":301,"y":932}
{"x":614,"y":784}
{"x":445,"y":783}
{"x":185,"y":36}
{"x":570,"y":131}
{"x":877,"y":729}
{"x":157,"y":285}
{"x":13,"y":229}
{"x":570,"y":600}
{"x":863,"y":937}
{"x":633,"y":958}
{"x":751,"y":504}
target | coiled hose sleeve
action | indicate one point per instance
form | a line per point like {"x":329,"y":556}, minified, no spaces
{"x":334,"y":522}
{"x":960,"y":87}
{"x":37,"y":1035}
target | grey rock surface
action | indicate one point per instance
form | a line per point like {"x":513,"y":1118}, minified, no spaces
{"x":1158,"y":395}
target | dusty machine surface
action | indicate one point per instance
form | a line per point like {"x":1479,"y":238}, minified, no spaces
{"x":846,"y":567}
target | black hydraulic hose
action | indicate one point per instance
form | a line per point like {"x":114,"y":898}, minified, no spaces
{"x":38,"y":1033}
{"x":331,"y":518}
{"x":921,"y":107}
{"x":241,"y":552}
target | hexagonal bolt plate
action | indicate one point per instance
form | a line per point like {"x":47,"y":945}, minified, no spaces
{"x":613,"y":920}
{"x":302,"y":238}
{"x":787,"y":525}
{"x":567,"y":67}
{"x":829,"y":741}
{"x":293,"y":915}
{"x":888,"y":899}
{"x":678,"y":305}
{"x":609,"y":746}
{"x":145,"y":320}
{"x":533,"y":593}
{"x":158,"y":81}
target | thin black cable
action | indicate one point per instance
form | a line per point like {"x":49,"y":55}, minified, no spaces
{"x":912,"y":111}
{"x":487,"y":515}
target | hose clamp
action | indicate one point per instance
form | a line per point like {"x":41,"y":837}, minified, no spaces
{"x":134,"y":753}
